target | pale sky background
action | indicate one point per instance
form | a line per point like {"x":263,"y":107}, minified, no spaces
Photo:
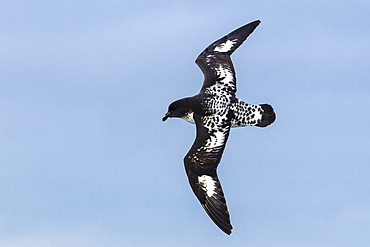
{"x":85,"y":159}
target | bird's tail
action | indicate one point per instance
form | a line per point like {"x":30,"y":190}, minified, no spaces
{"x":268,"y":115}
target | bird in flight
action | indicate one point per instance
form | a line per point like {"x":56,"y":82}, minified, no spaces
{"x":214,"y":110}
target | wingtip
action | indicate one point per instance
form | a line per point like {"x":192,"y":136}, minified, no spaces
{"x":256,"y":22}
{"x":228,"y":231}
{"x":221,"y":221}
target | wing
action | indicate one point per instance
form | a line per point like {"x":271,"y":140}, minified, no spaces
{"x":215,"y":61}
{"x":201,"y":163}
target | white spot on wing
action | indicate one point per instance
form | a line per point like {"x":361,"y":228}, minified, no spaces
{"x":226,"y":75}
{"x":207,"y":184}
{"x":225,"y":47}
{"x":208,"y":59}
{"x":216,"y":140}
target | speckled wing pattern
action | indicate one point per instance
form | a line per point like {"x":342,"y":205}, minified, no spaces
{"x":213,"y":126}
{"x":215,"y":61}
{"x":217,"y":110}
{"x":201,"y":163}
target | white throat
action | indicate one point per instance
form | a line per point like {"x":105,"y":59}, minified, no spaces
{"x":189,"y":117}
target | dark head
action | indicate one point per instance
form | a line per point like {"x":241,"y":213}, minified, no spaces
{"x":177,"y":108}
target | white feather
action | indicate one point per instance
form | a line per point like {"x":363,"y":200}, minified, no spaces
{"x":225,"y":47}
{"x":228,"y":77}
{"x":208,"y":184}
{"x":216,"y":140}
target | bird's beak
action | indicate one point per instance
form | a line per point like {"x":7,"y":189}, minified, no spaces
{"x":166,"y":116}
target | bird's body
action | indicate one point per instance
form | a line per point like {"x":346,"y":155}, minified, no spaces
{"x":214,"y":110}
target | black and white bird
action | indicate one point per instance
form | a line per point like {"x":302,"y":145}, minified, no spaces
{"x":214,"y":110}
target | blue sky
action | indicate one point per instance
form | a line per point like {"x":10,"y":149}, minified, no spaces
{"x":85,"y":159}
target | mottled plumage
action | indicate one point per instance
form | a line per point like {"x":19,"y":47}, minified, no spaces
{"x":214,"y":110}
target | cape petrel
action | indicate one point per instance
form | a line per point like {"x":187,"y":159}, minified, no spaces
{"x":214,"y":110}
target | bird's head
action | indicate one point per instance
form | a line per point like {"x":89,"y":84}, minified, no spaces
{"x":177,"y":108}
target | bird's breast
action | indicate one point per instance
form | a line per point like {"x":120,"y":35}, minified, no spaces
{"x":189,"y":117}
